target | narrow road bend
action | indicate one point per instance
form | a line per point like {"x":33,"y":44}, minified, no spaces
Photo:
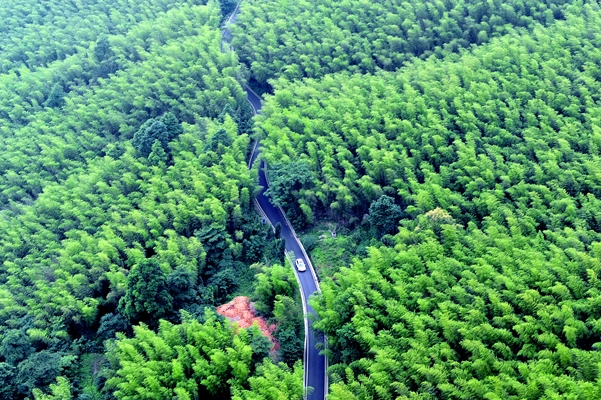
{"x":315,"y":376}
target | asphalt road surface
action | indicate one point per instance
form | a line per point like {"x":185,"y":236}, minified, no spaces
{"x":315,"y":364}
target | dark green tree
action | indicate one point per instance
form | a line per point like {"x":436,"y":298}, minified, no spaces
{"x":291,"y":344}
{"x":7,"y":381}
{"x":110,"y":324}
{"x":223,"y":282}
{"x":219,"y":141}
{"x":39,"y":370}
{"x":106,"y":67}
{"x":157,"y":155}
{"x":273,"y":281}
{"x":105,"y":57}
{"x":259,"y":343}
{"x":290,"y":332}
{"x":285,"y":180}
{"x":174,"y":128}
{"x":56,"y":96}
{"x":147,"y":298}
{"x":15,"y":346}
{"x":384,"y":215}
{"x":227,"y":110}
{"x":103,"y":51}
{"x":181,"y":284}
{"x":151,"y":131}
{"x":348,"y":349}
{"x":141,"y":140}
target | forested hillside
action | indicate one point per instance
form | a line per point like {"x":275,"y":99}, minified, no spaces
{"x":179,"y":356}
{"x":453,"y":312}
{"x":490,"y":161}
{"x":35,"y":33}
{"x":310,"y":38}
{"x":455,"y":145}
{"x":514,"y":123}
{"x":126,"y":202}
{"x":50,"y":137}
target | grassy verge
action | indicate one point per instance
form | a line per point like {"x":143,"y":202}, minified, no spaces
{"x":329,"y":252}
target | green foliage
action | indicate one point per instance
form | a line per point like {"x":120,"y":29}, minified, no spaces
{"x":311,"y":38}
{"x":277,"y":296}
{"x":241,"y":116}
{"x":174,"y":128}
{"x":222,"y":283}
{"x":171,"y":62}
{"x":488,"y":158}
{"x":157,"y":154}
{"x":261,"y":345}
{"x":384,"y":215}
{"x":56,"y":96}
{"x":329,"y":253}
{"x":187,"y":361}
{"x":147,"y":298}
{"x":86,"y":223}
{"x":468,"y":134}
{"x":263,"y":245}
{"x":39,"y":370}
{"x":290,"y":334}
{"x":219,"y":142}
{"x":464,"y":313}
{"x":285,"y":183}
{"x":105,"y":58}
{"x":273,"y":382}
{"x":106,"y":222}
{"x":273,"y":281}
{"x":150,"y":133}
{"x":285,"y":179}
{"x":102,"y":50}
{"x":181,"y":284}
{"x":7,"y":380}
{"x":61,"y":390}
{"x":309,"y":242}
{"x":56,"y":30}
{"x":15,"y":346}
{"x":110,"y":324}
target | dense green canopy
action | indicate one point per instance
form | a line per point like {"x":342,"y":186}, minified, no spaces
{"x":194,"y":360}
{"x":178,"y":68}
{"x":34,"y":33}
{"x":513,"y":123}
{"x":453,"y":145}
{"x":114,"y":210}
{"x":310,"y":38}
{"x":490,"y":161}
{"x":454,"y":313}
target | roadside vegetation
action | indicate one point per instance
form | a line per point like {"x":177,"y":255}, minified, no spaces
{"x":127,"y":212}
{"x":441,"y":160}
{"x":465,"y":189}
{"x":311,"y":38}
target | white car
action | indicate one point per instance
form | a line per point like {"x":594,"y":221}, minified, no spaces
{"x":300,"y":265}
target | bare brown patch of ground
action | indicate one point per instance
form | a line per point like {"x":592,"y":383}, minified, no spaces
{"x":240,"y":310}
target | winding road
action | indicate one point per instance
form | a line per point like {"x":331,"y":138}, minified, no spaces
{"x":315,"y":376}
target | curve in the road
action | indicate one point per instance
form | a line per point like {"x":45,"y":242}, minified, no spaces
{"x":315,"y":376}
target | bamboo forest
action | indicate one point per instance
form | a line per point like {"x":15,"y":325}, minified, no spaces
{"x":432,"y":171}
